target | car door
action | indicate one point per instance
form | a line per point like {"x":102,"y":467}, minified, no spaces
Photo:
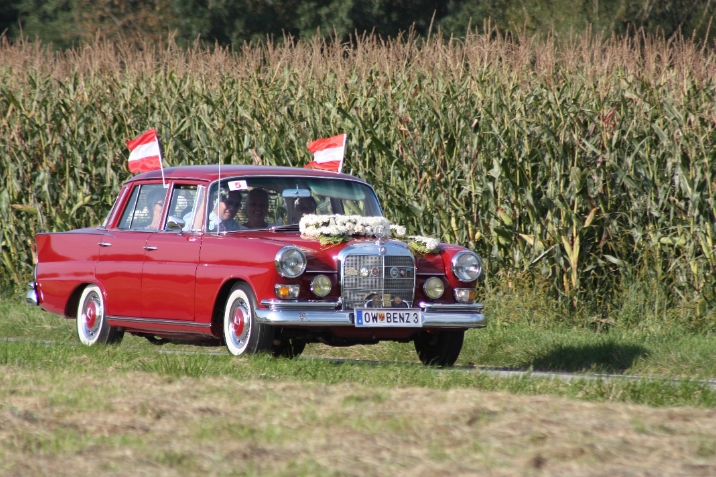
{"x":172,"y":257}
{"x":121,"y":255}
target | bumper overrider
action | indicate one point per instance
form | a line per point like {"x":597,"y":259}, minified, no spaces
{"x":328,"y":313}
{"x":32,"y":298}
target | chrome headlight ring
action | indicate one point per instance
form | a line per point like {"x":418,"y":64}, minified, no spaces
{"x":466,"y":266}
{"x":290,"y":262}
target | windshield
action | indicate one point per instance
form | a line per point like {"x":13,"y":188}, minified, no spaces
{"x":265,"y":202}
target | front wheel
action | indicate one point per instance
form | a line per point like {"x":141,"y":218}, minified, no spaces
{"x":242,"y":334}
{"x":440,"y":348}
{"x":92,"y":327}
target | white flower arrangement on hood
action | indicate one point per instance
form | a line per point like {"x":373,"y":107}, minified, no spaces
{"x":335,"y":229}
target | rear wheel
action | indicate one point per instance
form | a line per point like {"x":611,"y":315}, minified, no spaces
{"x":290,"y":348}
{"x":242,"y":334}
{"x":92,"y":327}
{"x":439,"y":349}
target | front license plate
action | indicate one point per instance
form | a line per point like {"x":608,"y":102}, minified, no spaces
{"x":389,"y":318}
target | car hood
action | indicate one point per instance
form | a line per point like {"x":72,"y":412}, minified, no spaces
{"x":324,"y":258}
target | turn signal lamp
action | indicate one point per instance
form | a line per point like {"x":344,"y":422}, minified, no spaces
{"x":465,"y":295}
{"x":287,"y":292}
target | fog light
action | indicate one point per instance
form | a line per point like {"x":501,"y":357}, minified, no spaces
{"x":434,"y":288}
{"x":321,"y":285}
{"x":465,"y":295}
{"x":287,"y":292}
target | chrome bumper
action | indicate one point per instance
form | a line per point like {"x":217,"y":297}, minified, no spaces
{"x":321,"y":313}
{"x":32,"y":298}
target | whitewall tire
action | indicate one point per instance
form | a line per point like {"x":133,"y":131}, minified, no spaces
{"x":242,"y":334}
{"x":92,"y":327}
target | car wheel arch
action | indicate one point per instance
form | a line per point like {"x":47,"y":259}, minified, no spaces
{"x":74,"y":299}
{"x":217,"y":315}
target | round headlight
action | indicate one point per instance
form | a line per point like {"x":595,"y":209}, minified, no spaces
{"x":290,"y":262}
{"x":434,"y":288}
{"x":466,"y":266}
{"x":321,"y":285}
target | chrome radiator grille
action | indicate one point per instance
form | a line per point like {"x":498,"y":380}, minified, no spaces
{"x":364,"y":276}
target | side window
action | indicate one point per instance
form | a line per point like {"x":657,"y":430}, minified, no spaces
{"x":126,"y":221}
{"x":113,"y":211}
{"x":144,"y":209}
{"x":185,"y":204}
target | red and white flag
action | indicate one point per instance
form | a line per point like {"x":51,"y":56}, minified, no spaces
{"x":327,"y":153}
{"x":146,"y":155}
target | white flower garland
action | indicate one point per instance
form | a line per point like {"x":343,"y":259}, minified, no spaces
{"x":334,"y":229}
{"x":421,"y":245}
{"x":316,"y":226}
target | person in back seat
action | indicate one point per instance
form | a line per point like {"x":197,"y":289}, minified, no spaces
{"x":303,"y":206}
{"x":256,"y":209}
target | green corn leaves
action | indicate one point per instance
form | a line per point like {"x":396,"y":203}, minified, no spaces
{"x":580,"y":165}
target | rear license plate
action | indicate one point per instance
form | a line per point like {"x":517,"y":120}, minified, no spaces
{"x":389,"y":317}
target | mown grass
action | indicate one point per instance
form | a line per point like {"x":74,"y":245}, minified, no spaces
{"x":515,"y":346}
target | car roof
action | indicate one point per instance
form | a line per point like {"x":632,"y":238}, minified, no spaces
{"x":211,"y":172}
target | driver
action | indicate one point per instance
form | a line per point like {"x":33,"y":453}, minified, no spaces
{"x":221,"y":219}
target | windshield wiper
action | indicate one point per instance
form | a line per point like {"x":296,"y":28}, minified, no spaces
{"x":285,"y":228}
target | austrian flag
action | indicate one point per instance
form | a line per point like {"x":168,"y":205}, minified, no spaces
{"x":145,"y":155}
{"x":328,"y":153}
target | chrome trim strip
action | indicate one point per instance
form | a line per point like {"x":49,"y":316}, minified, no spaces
{"x":304,"y":318}
{"x":430,"y":274}
{"x":152,"y":321}
{"x":451,"y":307}
{"x":277,"y":305}
{"x":454,"y":320}
{"x":325,"y":272}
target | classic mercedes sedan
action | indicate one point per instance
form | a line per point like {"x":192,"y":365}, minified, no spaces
{"x":261,"y":259}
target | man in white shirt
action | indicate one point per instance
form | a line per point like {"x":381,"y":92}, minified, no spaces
{"x":221,"y":219}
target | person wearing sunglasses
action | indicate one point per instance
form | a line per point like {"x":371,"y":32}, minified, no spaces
{"x":155,"y":205}
{"x":221,"y":219}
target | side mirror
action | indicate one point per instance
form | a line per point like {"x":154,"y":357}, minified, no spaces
{"x":175,"y":223}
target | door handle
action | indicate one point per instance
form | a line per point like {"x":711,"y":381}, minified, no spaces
{"x":105,"y":244}
{"x":149,"y":248}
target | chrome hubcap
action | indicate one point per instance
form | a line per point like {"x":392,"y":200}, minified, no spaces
{"x":92,"y":316}
{"x":239,"y":322}
{"x":240,"y":325}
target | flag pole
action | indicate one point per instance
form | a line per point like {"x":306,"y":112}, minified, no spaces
{"x":340,"y":166}
{"x":161,"y":163}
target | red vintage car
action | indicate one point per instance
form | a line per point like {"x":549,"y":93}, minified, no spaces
{"x":262,"y":259}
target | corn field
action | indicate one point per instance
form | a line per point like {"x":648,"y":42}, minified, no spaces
{"x":585,"y":163}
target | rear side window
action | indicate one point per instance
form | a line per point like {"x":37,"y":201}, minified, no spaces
{"x":144,"y":208}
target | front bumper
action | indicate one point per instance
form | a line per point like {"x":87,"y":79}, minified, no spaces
{"x":321,"y":313}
